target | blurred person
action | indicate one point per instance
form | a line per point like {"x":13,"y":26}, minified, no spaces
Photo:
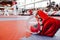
{"x":25,"y":12}
{"x":33,"y":20}
{"x":6,"y":10}
{"x":58,"y":12}
{"x":30,"y":11}
{"x":34,"y":14}
{"x":14,"y":7}
{"x":50,"y":25}
{"x":9,"y":9}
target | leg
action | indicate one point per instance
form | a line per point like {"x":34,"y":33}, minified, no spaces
{"x":50,"y":27}
{"x":35,"y":29}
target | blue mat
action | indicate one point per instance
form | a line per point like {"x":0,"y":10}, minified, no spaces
{"x":37,"y":37}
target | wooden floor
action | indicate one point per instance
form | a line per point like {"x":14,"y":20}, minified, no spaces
{"x":13,"y":30}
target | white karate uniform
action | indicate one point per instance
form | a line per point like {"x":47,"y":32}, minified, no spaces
{"x":32,"y":20}
{"x":14,"y":11}
{"x":28,"y":12}
{"x":34,"y":12}
{"x":57,"y":13}
{"x":50,"y":12}
{"x":6,"y":11}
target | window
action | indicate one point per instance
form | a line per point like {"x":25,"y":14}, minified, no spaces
{"x":41,"y":4}
{"x":29,"y":1}
{"x":21,"y":7}
{"x":30,"y":6}
{"x":37,"y":0}
{"x":21,"y":2}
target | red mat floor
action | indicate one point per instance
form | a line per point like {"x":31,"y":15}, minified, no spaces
{"x":13,"y":30}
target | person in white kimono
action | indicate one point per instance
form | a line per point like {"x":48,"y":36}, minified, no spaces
{"x":32,"y":20}
{"x":14,"y":9}
{"x":6,"y":10}
{"x":50,"y":12}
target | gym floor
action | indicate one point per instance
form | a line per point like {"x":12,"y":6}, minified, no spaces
{"x":38,"y":37}
{"x":14,"y":28}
